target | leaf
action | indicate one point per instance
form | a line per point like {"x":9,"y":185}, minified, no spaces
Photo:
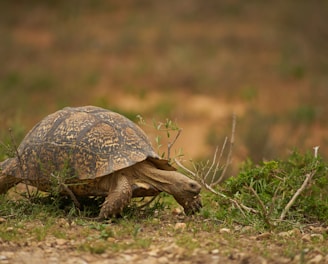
{"x":158,"y":140}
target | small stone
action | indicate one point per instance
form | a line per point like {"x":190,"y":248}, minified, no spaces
{"x":263,"y":236}
{"x":225,"y":230}
{"x":317,"y":259}
{"x":180,"y":226}
{"x":284,"y":234}
{"x":111,"y":239}
{"x":306,"y":238}
{"x":282,"y":260}
{"x":293,"y":232}
{"x":163,"y":260}
{"x":176,"y":211}
{"x":76,"y":261}
{"x":215,"y":251}
{"x":296,"y":232}
{"x":246,"y":229}
{"x":154,"y":252}
{"x":62,"y":222}
{"x":318,"y":229}
{"x":130,"y":258}
{"x":10,"y":254}
{"x":60,"y":241}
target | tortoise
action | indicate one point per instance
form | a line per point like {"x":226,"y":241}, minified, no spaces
{"x":91,"y":151}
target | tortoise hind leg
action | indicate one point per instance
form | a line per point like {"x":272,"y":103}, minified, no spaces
{"x":119,"y":195}
{"x":7,"y":182}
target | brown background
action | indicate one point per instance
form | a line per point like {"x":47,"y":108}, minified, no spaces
{"x":195,"y":62}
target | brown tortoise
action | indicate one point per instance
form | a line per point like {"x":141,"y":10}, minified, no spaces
{"x":103,"y":154}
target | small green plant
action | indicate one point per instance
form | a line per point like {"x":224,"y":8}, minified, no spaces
{"x":292,"y":190}
{"x":94,"y":246}
{"x":171,"y":132}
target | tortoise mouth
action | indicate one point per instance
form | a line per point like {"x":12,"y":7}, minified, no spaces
{"x":191,"y":205}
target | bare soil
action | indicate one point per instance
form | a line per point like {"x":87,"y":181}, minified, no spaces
{"x":171,"y":238}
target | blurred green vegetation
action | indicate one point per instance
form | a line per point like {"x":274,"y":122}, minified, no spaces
{"x":270,"y":56}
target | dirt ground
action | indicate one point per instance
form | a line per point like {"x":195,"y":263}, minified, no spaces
{"x":170,"y":239}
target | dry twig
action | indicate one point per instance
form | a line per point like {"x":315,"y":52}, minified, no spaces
{"x":207,"y":174}
{"x":63,"y":187}
{"x":297,"y":193}
{"x":304,"y":185}
{"x":170,"y":144}
{"x":240,"y":206}
{"x":263,"y":208}
{"x":208,"y":178}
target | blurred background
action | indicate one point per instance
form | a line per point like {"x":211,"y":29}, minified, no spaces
{"x":195,"y":62}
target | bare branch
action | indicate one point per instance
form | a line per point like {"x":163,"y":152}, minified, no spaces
{"x":218,"y":163}
{"x":193,"y":174}
{"x":170,"y":144}
{"x":60,"y":182}
{"x":240,"y":206}
{"x":211,"y":167}
{"x":316,"y":150}
{"x":264,"y":210}
{"x":71,"y":194}
{"x":297,"y":193}
{"x":229,"y":157}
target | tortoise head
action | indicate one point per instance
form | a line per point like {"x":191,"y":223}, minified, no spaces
{"x":184,"y":190}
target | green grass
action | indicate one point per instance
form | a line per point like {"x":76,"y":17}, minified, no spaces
{"x":269,"y":186}
{"x":146,"y":231}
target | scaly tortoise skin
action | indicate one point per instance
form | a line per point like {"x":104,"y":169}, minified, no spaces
{"x":96,"y":152}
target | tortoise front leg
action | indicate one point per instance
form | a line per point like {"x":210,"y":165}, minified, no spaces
{"x":119,"y":195}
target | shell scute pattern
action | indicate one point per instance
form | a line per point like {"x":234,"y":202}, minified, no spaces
{"x":91,"y":141}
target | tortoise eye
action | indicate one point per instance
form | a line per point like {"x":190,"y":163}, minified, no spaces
{"x":192,"y":185}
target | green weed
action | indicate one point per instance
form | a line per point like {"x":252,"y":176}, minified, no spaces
{"x":95,"y":247}
{"x":267,"y":189}
{"x":187,"y":241}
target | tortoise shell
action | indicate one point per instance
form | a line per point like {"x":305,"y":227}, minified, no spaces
{"x":88,"y":142}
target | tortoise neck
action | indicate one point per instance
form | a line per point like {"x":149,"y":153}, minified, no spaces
{"x":162,"y":180}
